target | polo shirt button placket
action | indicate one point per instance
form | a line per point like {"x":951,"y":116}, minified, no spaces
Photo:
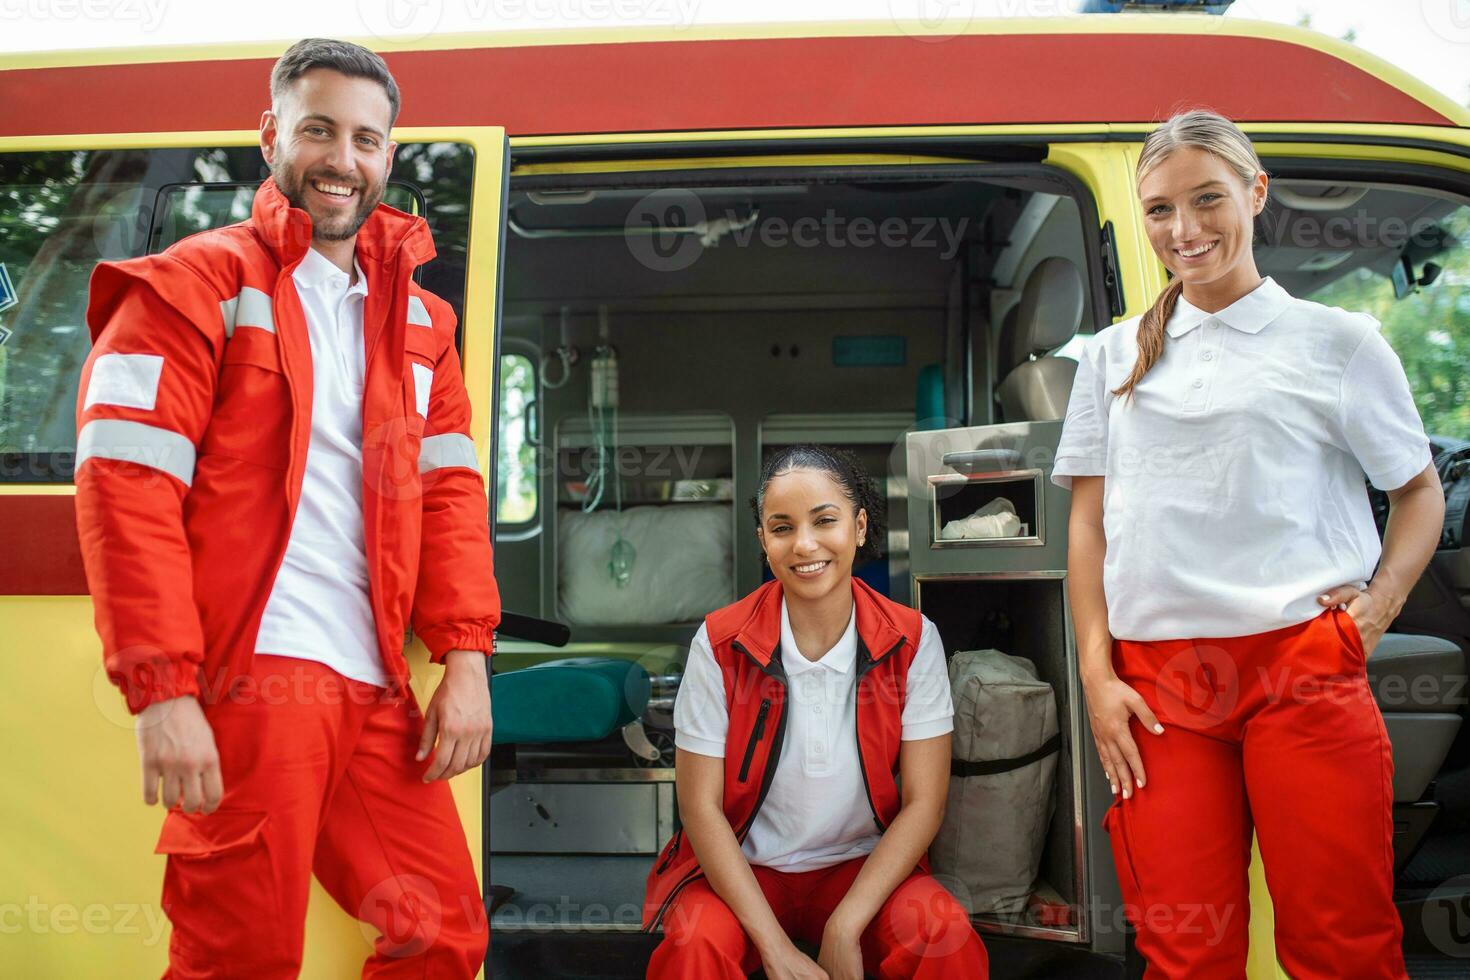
{"x":1197,"y":395}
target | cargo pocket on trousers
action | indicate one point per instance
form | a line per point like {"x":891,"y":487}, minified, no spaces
{"x":220,"y":879}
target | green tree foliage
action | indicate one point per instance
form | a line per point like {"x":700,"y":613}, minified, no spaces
{"x":62,"y":212}
{"x":1429,"y":329}
{"x":516,"y":465}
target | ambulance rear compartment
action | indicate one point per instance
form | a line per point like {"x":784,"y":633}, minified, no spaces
{"x":749,"y":308}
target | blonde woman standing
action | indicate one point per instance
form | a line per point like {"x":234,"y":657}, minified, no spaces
{"x":1227,"y":583}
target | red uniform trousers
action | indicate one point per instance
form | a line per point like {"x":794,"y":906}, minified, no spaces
{"x":1278,"y":732}
{"x":319,"y":776}
{"x":920,"y":933}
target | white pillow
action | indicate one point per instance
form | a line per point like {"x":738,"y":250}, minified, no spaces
{"x":681,"y":570}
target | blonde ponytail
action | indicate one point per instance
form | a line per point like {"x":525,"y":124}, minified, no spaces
{"x":1151,"y":336}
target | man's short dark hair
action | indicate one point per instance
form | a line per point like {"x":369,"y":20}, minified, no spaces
{"x":344,"y":57}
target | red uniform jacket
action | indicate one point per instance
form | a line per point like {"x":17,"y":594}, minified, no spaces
{"x":746,"y":638}
{"x":193,"y":419}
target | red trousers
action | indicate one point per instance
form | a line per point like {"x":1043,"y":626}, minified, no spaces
{"x":1276,"y":732}
{"x":920,"y":933}
{"x":319,"y":777}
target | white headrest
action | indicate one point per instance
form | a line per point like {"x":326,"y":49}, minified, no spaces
{"x":1008,"y":349}
{"x":1051,"y":306}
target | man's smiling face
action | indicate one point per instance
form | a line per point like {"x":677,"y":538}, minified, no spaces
{"x":327,"y":145}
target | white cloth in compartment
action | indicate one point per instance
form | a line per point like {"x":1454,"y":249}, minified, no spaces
{"x":682,"y":570}
{"x":996,"y":519}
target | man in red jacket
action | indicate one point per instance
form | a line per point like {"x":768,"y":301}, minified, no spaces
{"x":275,"y":476}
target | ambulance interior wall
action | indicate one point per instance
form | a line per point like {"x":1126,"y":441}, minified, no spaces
{"x":743,"y":330}
{"x":1024,"y":618}
{"x":742,"y":364}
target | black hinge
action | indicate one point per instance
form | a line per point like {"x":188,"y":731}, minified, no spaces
{"x":1111,"y":280}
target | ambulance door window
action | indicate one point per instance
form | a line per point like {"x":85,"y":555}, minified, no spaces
{"x":432,"y":180}
{"x":516,"y":496}
{"x":186,"y":209}
{"x":1400,"y":254}
{"x":61,"y":212}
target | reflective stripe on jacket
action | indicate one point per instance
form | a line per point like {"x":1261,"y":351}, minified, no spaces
{"x":193,"y":420}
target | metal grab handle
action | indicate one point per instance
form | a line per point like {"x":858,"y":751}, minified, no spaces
{"x":531,"y":628}
{"x":971,"y":460}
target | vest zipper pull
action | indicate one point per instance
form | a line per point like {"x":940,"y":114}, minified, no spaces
{"x":755,"y":738}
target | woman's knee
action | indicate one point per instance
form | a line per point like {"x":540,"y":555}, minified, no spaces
{"x":924,"y":918}
{"x":700,"y":931}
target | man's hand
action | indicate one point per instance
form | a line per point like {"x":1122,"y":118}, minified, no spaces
{"x":458,"y":716}
{"x":176,"y":744}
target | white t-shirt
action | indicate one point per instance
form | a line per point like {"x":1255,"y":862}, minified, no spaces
{"x":1234,"y":488}
{"x":319,"y":606}
{"x":816,"y":812}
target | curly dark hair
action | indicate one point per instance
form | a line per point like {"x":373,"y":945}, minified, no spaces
{"x":843,"y":467}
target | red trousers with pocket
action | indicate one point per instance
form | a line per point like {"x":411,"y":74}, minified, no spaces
{"x":320,"y":777}
{"x":1276,"y":732}
{"x":920,"y":933}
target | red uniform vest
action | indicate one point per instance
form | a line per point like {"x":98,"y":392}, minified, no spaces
{"x":746,"y":638}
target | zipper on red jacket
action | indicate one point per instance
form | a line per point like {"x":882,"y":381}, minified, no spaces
{"x":658,"y":919}
{"x":868,"y":663}
{"x":678,"y":840}
{"x":774,"y":756}
{"x":755,"y":739}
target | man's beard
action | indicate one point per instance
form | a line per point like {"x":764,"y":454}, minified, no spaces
{"x":335,"y":227}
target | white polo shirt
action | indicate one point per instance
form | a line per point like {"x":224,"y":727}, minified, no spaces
{"x":319,"y":607}
{"x":1234,"y":490}
{"x":816,"y":812}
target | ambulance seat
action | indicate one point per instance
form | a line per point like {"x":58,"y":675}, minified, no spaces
{"x":1420,"y":685}
{"x":1008,"y":353}
{"x":579,"y":699}
{"x":1049,"y":314}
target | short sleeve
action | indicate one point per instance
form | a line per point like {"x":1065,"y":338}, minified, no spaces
{"x":1083,"y":449}
{"x":928,"y":710}
{"x":1376,"y":415}
{"x":701,"y":716}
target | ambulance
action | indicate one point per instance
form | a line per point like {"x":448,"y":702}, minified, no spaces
{"x":672,"y":250}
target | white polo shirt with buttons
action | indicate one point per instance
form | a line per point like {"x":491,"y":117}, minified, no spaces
{"x":816,"y":812}
{"x":1234,"y":491}
{"x":319,"y":607}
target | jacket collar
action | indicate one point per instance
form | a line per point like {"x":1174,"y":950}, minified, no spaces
{"x":760,"y":635}
{"x":386,"y":233}
{"x":1249,"y":314}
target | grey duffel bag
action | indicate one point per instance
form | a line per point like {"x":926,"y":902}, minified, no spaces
{"x":1003,"y":762}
